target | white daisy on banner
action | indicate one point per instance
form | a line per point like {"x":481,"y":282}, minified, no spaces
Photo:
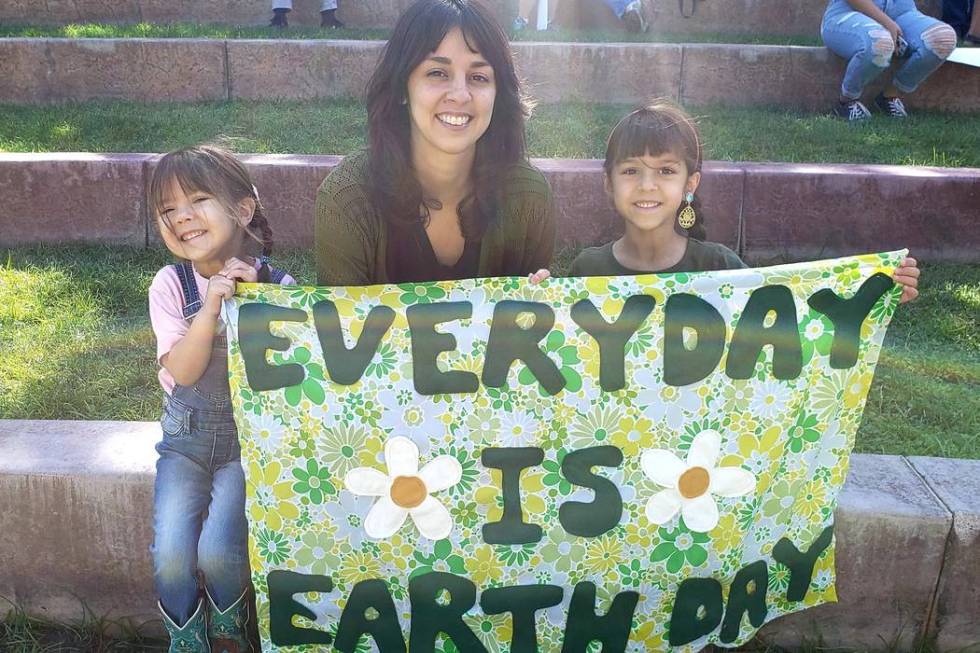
{"x":406,"y":490}
{"x":689,"y":485}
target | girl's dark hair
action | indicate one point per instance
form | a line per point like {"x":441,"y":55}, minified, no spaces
{"x":215,"y":171}
{"x":393,"y":189}
{"x":660,"y":127}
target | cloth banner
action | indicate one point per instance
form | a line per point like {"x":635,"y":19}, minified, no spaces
{"x":642,"y":463}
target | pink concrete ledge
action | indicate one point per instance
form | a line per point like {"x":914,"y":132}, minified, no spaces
{"x":731,"y":17}
{"x":38,"y":71}
{"x":767,"y":212}
{"x":78,"y":499}
{"x":72,"y":197}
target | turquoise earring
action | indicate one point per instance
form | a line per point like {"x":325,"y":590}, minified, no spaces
{"x":687,"y":216}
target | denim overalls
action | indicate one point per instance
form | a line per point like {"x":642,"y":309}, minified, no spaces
{"x":868,"y":46}
{"x":199,"y":495}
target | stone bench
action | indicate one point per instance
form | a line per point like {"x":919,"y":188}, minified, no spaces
{"x":75,"y":525}
{"x":50,"y":70}
{"x":768,"y":213}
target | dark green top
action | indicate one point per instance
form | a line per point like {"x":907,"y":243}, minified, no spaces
{"x":352,"y":239}
{"x":698,"y":257}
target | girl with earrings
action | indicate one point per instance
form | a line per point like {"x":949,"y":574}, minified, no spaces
{"x":209,"y":214}
{"x":652,"y":171}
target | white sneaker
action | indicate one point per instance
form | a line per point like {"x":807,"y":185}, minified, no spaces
{"x":634,"y":18}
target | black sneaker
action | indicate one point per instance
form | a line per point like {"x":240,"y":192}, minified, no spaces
{"x":892,"y":107}
{"x":328,"y":19}
{"x":851,"y":111}
{"x":279,"y":18}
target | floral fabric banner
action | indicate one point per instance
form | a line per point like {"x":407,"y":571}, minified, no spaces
{"x":642,"y":463}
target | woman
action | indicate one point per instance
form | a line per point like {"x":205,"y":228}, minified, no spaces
{"x":869,"y":34}
{"x":444,"y":190}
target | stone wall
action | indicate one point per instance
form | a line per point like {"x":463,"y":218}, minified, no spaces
{"x":792,"y":17}
{"x":769,"y":213}
{"x":78,"y":501}
{"x":156,"y":70}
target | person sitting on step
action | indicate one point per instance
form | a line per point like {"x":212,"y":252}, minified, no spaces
{"x":525,"y":9}
{"x":209,"y":216}
{"x":871,"y":34}
{"x":630,"y":12}
{"x":328,"y":11}
{"x":653,"y":165}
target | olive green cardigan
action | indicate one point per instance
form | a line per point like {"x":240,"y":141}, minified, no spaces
{"x":352,"y":239}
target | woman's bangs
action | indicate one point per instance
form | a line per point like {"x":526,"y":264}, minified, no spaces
{"x":479,"y":38}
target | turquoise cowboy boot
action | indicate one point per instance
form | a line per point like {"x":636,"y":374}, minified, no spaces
{"x":192,"y":637}
{"x":226,"y":629}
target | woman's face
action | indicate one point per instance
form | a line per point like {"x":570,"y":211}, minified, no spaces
{"x":450,"y":98}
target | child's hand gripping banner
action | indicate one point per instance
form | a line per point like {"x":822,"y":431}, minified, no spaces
{"x":644,"y":462}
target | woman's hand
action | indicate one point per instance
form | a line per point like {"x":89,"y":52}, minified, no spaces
{"x":907,"y":276}
{"x":537,"y":277}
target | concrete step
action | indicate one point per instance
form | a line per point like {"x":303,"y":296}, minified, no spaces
{"x":783,"y":17}
{"x":51,"y":70}
{"x":78,"y":503}
{"x":769,"y":213}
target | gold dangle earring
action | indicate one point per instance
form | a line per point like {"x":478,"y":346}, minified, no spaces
{"x":687,"y":215}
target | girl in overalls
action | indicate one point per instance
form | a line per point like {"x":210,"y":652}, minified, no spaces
{"x":208,"y":214}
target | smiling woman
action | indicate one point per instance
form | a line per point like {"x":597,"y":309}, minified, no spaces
{"x":445,"y":190}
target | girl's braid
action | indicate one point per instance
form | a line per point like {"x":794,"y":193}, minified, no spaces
{"x":261,"y":224}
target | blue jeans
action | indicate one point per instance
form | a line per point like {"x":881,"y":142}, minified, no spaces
{"x":199,"y":505}
{"x":618,"y":7}
{"x":868,"y":46}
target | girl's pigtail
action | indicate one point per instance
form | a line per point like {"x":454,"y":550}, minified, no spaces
{"x":260,"y":224}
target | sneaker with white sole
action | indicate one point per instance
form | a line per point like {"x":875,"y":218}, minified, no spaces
{"x":892,"y":107}
{"x":851,"y":111}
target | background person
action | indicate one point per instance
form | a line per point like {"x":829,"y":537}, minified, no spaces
{"x":328,"y":13}
{"x":870,"y":34}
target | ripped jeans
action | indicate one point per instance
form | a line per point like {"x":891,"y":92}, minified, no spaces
{"x":868,"y":46}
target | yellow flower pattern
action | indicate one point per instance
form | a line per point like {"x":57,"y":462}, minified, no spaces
{"x":315,"y":468}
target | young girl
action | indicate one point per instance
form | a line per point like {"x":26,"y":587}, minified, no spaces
{"x":653,"y":168}
{"x":209,"y":214}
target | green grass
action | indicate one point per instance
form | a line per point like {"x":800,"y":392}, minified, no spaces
{"x":573,"y":130}
{"x":23,"y":633}
{"x":192,"y":30}
{"x":77,"y":345}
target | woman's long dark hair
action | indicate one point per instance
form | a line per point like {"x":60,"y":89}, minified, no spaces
{"x":660,"y":127}
{"x":393,"y":189}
